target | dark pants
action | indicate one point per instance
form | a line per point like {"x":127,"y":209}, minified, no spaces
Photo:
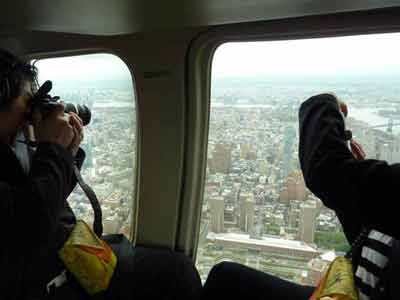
{"x":234,"y":281}
{"x":142,"y":273}
{"x":162,"y":274}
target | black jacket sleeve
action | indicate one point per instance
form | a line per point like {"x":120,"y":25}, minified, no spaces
{"x":362,"y":193}
{"x":29,"y":213}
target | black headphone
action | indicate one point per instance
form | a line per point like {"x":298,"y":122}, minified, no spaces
{"x":8,"y":63}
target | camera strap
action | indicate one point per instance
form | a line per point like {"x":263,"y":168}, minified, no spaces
{"x":94,"y":202}
{"x":97,"y":222}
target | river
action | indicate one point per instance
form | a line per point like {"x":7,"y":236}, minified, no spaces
{"x":367,"y":115}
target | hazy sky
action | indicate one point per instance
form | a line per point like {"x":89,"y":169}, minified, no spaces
{"x":354,"y":54}
{"x":343,"y":55}
{"x":83,"y":67}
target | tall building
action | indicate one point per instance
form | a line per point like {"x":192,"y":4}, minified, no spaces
{"x":366,"y":136}
{"x":247,"y":205}
{"x":294,"y":188}
{"x":111,"y":224}
{"x":291,"y":184}
{"x":87,"y":145}
{"x":284,"y":195}
{"x":287,"y":155}
{"x":229,"y":216}
{"x":292,"y":219}
{"x":293,"y":215}
{"x":390,"y":151}
{"x":217,"y":207}
{"x":252,"y":155}
{"x":236,"y":194}
{"x":244,"y":150}
{"x":258,"y":229}
{"x":220,"y":162}
{"x":308,"y":213}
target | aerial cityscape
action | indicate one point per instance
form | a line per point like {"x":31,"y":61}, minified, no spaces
{"x":257,"y":210}
{"x":110,"y":147}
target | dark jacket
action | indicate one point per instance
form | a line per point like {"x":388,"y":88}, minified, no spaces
{"x":34,"y":214}
{"x":362,"y":193}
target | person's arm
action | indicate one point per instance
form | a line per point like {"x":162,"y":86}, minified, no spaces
{"x":29,"y":213}
{"x":361,"y":192}
{"x":77,"y":152}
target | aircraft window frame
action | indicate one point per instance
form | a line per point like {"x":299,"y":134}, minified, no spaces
{"x":129,"y":226}
{"x":199,"y":84}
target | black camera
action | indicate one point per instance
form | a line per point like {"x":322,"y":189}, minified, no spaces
{"x":44,"y":102}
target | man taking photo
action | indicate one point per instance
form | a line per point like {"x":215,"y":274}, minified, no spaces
{"x":35,"y":218}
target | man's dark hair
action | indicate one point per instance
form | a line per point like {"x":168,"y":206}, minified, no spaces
{"x":13,"y":74}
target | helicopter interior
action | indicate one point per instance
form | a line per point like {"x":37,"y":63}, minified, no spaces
{"x":167,"y":49}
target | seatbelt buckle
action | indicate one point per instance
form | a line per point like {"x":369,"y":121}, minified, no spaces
{"x":56,"y":282}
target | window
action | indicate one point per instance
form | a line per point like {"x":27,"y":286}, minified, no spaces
{"x":104,"y":84}
{"x":257,"y":210}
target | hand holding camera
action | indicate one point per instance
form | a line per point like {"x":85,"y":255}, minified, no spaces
{"x":56,"y":122}
{"x":58,"y":127}
{"x":355,"y":147}
{"x":77,"y":125}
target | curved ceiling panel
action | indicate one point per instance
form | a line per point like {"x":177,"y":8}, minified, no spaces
{"x":113,"y":17}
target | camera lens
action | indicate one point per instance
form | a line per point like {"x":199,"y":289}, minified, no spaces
{"x":81,"y":110}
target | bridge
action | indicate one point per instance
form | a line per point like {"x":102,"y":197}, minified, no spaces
{"x":389,"y":125}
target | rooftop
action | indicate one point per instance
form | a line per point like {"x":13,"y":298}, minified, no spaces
{"x":263,"y":241}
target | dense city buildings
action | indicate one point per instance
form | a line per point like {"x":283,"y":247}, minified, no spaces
{"x":110,"y":147}
{"x":257,"y":209}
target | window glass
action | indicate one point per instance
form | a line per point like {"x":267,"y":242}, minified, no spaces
{"x":103,"y":83}
{"x":257,"y":210}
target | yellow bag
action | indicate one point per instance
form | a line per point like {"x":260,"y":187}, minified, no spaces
{"x":337,"y":283}
{"x":90,"y":260}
